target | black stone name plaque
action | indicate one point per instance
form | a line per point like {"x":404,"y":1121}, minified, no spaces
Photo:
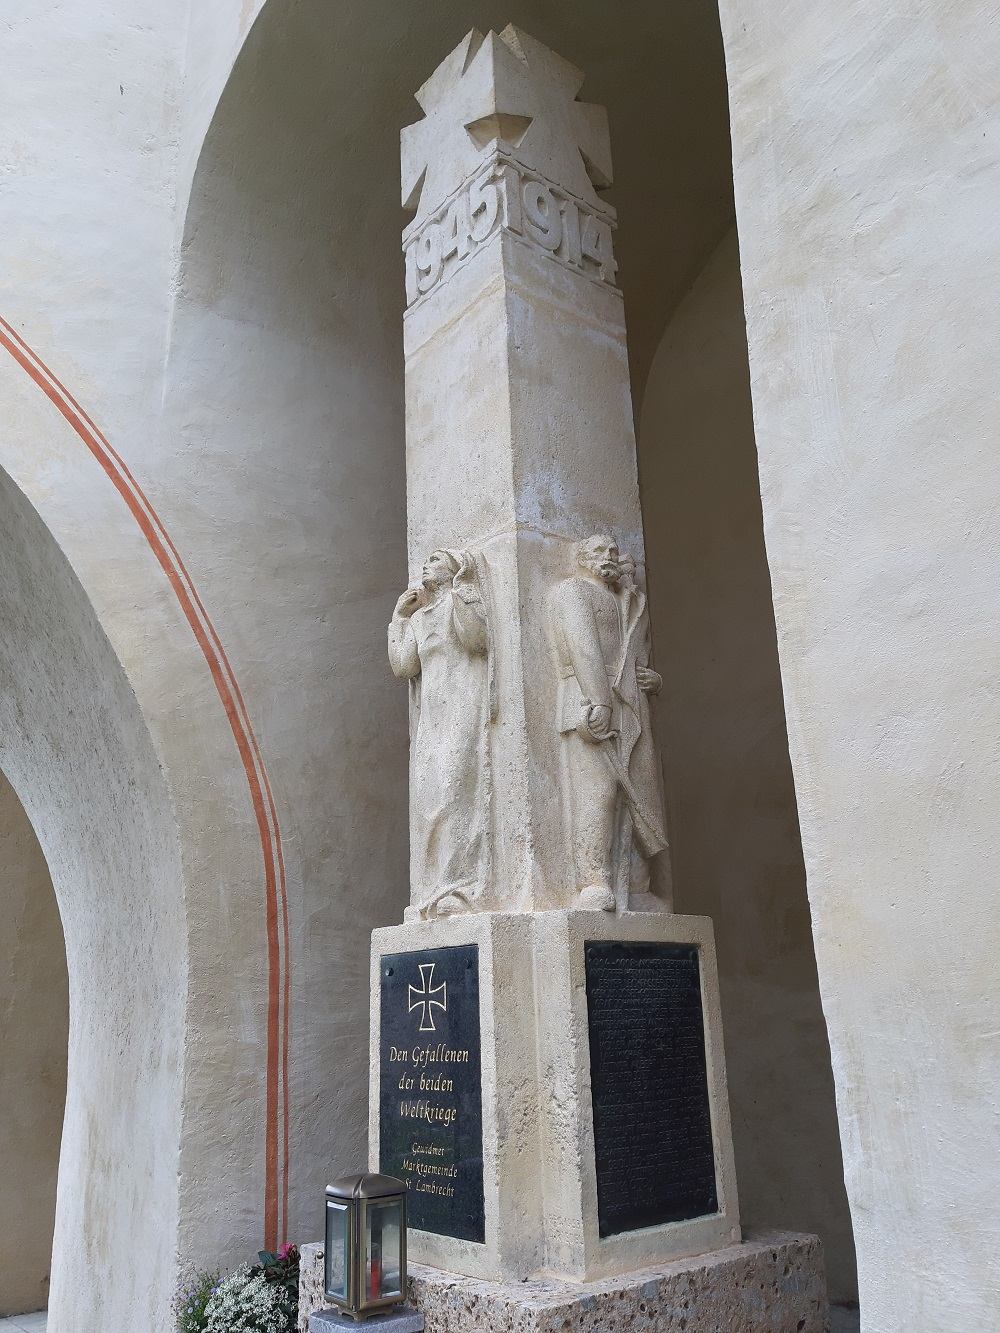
{"x":652,"y":1121}
{"x":430,"y":1087}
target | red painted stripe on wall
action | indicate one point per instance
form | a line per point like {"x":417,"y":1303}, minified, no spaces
{"x":262,"y":799}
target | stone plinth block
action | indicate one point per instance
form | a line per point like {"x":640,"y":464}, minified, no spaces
{"x":403,"y":1320}
{"x":637,"y":1143}
{"x":552,"y":1088}
{"x":773,"y":1282}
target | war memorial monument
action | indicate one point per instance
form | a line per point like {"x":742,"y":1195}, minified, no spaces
{"x":547,"y":1062}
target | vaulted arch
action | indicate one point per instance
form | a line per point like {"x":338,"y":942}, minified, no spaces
{"x":232,"y":531}
{"x":76,"y":748}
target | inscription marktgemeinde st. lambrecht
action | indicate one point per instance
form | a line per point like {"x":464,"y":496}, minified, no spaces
{"x":653,"y":1144}
{"x":430,"y":1095}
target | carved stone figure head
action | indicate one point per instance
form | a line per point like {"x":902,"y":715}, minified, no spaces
{"x":599,"y":556}
{"x":440,"y":568}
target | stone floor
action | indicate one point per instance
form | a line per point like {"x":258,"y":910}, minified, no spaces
{"x":841,"y":1321}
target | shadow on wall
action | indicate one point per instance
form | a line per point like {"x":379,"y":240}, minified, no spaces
{"x":34,"y":1035}
{"x":736,"y":852}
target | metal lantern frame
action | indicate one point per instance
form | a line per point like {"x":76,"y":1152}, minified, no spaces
{"x":354,"y":1198}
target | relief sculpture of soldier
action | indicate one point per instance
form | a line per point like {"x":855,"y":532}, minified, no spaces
{"x":439,"y":640}
{"x":611,"y":776}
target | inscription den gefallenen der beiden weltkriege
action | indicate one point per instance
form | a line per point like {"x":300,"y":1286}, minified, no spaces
{"x":430,"y":1092}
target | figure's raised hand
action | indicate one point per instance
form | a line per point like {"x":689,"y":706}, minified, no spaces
{"x":408,"y":603}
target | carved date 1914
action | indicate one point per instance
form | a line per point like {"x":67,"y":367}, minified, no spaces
{"x":504,"y":194}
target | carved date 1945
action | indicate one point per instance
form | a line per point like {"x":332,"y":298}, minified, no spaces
{"x":505,"y":195}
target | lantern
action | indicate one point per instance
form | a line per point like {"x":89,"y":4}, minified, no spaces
{"x":365,"y":1244}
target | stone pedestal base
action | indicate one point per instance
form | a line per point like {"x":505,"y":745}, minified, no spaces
{"x":771,"y":1283}
{"x":529,"y":1090}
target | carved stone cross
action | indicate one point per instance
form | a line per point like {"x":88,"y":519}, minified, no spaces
{"x":506,"y":88}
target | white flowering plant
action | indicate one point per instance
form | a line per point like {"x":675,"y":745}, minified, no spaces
{"x":246,"y":1302}
{"x":258,"y":1298}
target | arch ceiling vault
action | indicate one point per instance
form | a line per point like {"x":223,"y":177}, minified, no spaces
{"x":203,"y":464}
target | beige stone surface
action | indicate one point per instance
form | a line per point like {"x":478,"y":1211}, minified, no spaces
{"x":34,"y":1036}
{"x":771,"y":1283}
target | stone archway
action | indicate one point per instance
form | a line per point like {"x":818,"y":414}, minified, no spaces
{"x":852,"y":240}
{"x":34,"y":1035}
{"x":75,"y":747}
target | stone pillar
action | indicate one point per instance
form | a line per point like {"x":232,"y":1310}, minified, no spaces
{"x":519,"y":427}
{"x":548,"y":1070}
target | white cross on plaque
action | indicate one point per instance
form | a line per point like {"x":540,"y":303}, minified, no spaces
{"x":423,"y":999}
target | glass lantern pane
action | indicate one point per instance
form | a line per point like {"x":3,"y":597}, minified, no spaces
{"x":337,"y":1249}
{"x":384,"y":1244}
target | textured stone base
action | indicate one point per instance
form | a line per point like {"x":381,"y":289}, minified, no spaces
{"x":311,"y":1279}
{"x":773,"y":1282}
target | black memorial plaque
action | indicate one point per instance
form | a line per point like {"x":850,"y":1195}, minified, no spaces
{"x":652,"y":1121}
{"x":430,"y":1087}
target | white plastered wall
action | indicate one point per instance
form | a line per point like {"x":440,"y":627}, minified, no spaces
{"x":34,"y":1033}
{"x":867,"y":165}
{"x":169,"y":975}
{"x":283,"y":392}
{"x":74,"y":745}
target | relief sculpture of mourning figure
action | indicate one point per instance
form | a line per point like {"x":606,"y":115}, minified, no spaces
{"x":439,"y":640}
{"x":612,"y":788}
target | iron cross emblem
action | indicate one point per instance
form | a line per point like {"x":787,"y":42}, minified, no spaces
{"x":424,"y":998}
